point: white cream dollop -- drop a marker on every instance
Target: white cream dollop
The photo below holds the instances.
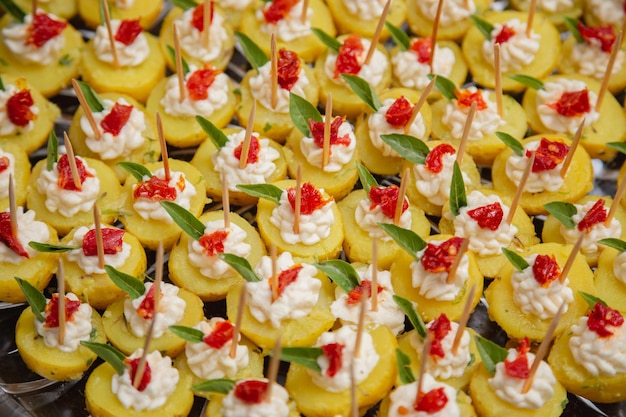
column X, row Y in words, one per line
column 373, row 72
column 537, row 182
column 598, row 355
column 619, row 267
column 15, row 36
column 89, row 264
column 339, row 155
column 216, row 99
column 275, row 406
column 192, row 40
column 368, row 219
column 592, row 61
column 297, row 299
column 518, row 51
column 378, row 126
column 127, row 55
column 609, row 12
column 163, row 380
column 485, row 122
column 555, row 6
column 598, row 231
column 403, row 398
column 411, row 73
column 453, row 11
column 77, row 328
column 6, row 125
column 171, row 310
column 365, row 9
column 28, row 230
column 435, row 186
column 261, row 89
column 291, row 27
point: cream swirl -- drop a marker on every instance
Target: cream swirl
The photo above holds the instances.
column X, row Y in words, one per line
column 402, row 399
column 598, row 355
column 609, row 12
column 591, row 61
column 289, row 28
column 171, row 310
column 130, row 55
column 368, row 218
column 378, row 126
column 28, row 230
column 517, row 51
column 411, row 73
column 365, row 9
column 77, row 328
column 261, row 89
column 274, row 406
column 16, row 37
column 596, row 232
column 339, row 154
column 217, row 97
column 89, row 264
column 435, row 186
column 485, row 122
column 7, row 127
column 537, row 182
column 373, row 72
column 192, row 40
column 453, row 11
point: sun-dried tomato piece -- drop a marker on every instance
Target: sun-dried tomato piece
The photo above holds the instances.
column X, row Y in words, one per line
column 155, row 189
column 439, row 257
column 317, row 133
column 601, row 317
column 489, row 216
column 288, row 67
column 5, row 163
column 596, row 214
column 311, row 198
column 43, row 29
column 439, row 328
column 333, row 351
column 221, row 334
column 52, row 309
column 432, row 401
column 287, row 277
column 278, row 9
column 66, row 181
column 434, row 159
column 114, row 122
column 253, row 150
column 603, row 34
column 133, row 364
column 387, row 199
column 8, row 238
column 199, row 82
column 399, row 113
column 112, row 240
column 465, row 98
column 197, row 17
column 146, row 307
column 251, row 391
column 548, row 155
column 423, row 48
column 213, row 243
column 518, row 367
column 18, row 108
column 348, row 57
column 546, row 269
column 364, row 288
column 572, row 103
column 506, row 33
column 128, row 31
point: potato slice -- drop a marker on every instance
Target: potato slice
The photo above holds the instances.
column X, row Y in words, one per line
column 21, row 173
column 608, row 286
column 348, row 22
column 556, row 17
column 423, row 26
column 147, row 11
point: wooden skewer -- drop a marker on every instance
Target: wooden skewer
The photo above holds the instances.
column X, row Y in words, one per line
column 572, row 149
column 12, row 206
column 164, row 155
column 457, row 261
column 498, row 74
column 531, row 16
column 609, row 69
column 520, row 189
column 616, row 202
column 99, row 242
column 360, row 328
column 298, row 208
column 240, row 309
column 433, row 36
column 206, row 24
column 305, row 9
column 245, row 148
column 272, row 370
column 226, row 201
column 328, row 118
column 61, row 294
column 401, row 194
column 570, row 259
column 72, row 161
column 34, row 7
column 179, row 64
column 354, row 406
column 467, row 309
column 83, row 104
column 107, row 22
column 543, row 349
column 274, row 280
column 374, row 274
column 273, row 71
column 418, row 106
column 466, row 132
column 428, row 340
column 376, row 37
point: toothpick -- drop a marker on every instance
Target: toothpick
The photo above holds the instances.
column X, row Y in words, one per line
column 609, row 69
column 467, row 309
column 225, row 201
column 428, row 340
column 12, row 206
column 86, row 109
column 543, row 349
column 98, row 229
column 354, row 406
column 328, row 118
column 72, row 161
column 240, row 309
column 418, row 106
column 498, row 74
column 457, row 260
column 374, row 289
column 616, row 202
column 206, row 23
column 466, row 132
column 34, row 7
column 164, row 156
column 245, row 148
column 274, row 258
column 401, row 194
column 273, row 71
column 520, row 188
column 107, row 22
column 305, row 9
column 376, row 37
column 298, row 205
column 179, row 64
column 433, row 36
column 531, row 17
column 570, row 259
column 572, row 149
column 272, row 370
column 360, row 328
column 61, row 293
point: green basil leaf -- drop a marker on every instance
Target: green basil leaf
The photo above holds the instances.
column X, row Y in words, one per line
column 305, row 356
column 490, row 353
column 409, row 147
column 618, row 244
column 458, row 199
column 53, row 150
column 363, row 89
column 562, row 211
column 301, row 111
column 184, row 4
column 240, row 265
column 36, row 300
column 13, row 9
column 51, row 247
column 136, row 170
column 188, row 333
column 125, row 282
column 591, row 300
column 444, row 85
column 1, row 85
column 405, row 373
column 619, row 146
column 516, row 260
column 267, row 191
column 515, row 145
column 341, row 273
column 399, row 36
column 572, row 26
column 93, row 100
column 184, row 219
column 254, row 54
column 405, row 238
column 416, row 320
column 327, row 40
column 172, row 54
column 367, row 179
column 482, row 25
column 220, row 386
column 109, row 354
column 527, row 80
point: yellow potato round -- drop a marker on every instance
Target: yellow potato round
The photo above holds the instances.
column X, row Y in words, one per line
column 21, row 173
column 462, row 399
column 609, row 288
column 578, row 180
column 62, row 8
column 423, row 26
column 147, row 11
column 215, row 407
column 348, row 22
column 187, row 276
column 52, row 363
column 556, row 17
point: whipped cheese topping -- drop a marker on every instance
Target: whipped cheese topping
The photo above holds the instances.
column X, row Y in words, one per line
column 608, row 12
column 127, row 55
column 163, row 380
column 152, row 210
column 365, row 9
column 192, row 41
column 598, row 231
column 291, row 26
column 124, row 4
column 7, row 127
column 510, row 388
column 483, row 241
column 554, row 6
column 68, row 202
column 111, row 146
column 544, row 180
column 378, row 126
column 388, row 312
column 297, row 299
column 363, row 364
column 28, row 230
column 8, row 172
column 77, row 328
column 373, row 72
column 314, row 227
column 403, row 399
column 224, row 161
column 435, row 186
column 453, row 11
column 339, row 155
column 368, row 219
column 485, row 122
column 451, row 365
column 598, row 355
column 533, row 298
column 619, row 267
column 206, row 362
column 516, row 52
column 89, row 264
column 16, row 35
column 211, row 266
column 413, row 74
column 261, row 89
column 551, row 93
column 275, row 406
column 591, row 61
column 216, row 99
column 171, row 310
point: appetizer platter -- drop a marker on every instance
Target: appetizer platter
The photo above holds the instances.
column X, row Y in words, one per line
column 206, row 171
